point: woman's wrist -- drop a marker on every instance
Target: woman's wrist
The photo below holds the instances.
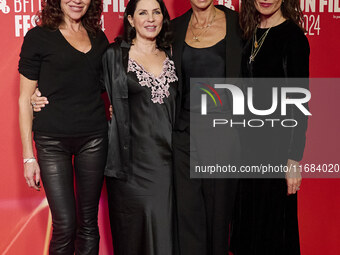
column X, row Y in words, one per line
column 29, row 160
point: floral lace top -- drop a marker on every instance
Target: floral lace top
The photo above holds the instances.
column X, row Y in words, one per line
column 159, row 85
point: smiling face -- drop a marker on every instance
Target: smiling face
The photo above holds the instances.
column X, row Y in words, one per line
column 147, row 19
column 268, row 8
column 74, row 10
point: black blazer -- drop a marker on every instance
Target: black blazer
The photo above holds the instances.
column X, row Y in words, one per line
column 233, row 49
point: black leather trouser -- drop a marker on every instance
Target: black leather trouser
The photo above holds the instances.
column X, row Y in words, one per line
column 74, row 217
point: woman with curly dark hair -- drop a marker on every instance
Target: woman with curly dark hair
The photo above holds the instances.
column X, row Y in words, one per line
column 141, row 82
column 62, row 56
column 266, row 217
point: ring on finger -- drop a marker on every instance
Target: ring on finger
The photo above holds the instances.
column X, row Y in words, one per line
column 34, row 104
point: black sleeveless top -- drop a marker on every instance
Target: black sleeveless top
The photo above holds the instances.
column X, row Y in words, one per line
column 202, row 63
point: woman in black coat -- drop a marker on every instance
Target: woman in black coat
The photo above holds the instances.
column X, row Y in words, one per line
column 207, row 44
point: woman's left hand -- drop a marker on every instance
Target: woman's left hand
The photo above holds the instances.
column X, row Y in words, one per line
column 38, row 101
column 293, row 176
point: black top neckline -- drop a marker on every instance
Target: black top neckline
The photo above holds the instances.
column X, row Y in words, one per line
column 71, row 46
column 209, row 47
column 225, row 37
column 274, row 27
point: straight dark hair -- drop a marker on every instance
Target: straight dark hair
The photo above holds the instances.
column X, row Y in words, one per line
column 250, row 17
column 163, row 39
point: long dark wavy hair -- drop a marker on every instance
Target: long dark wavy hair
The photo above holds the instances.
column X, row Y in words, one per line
column 163, row 39
column 250, row 17
column 52, row 16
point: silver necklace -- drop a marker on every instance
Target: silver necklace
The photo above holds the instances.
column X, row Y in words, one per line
column 204, row 28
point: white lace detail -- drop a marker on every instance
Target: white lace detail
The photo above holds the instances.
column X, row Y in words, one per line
column 159, row 85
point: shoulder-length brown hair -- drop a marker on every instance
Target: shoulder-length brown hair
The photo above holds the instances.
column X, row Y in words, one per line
column 52, row 16
column 250, row 17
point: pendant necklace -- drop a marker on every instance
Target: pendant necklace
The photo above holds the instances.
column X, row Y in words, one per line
column 257, row 44
column 204, row 29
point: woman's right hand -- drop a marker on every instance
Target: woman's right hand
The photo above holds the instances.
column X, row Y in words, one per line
column 31, row 167
column 32, row 174
column 293, row 176
column 38, row 101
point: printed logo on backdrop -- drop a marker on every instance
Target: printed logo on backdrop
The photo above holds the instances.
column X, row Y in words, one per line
column 26, row 10
column 114, row 6
column 314, row 10
column 227, row 3
column 4, row 7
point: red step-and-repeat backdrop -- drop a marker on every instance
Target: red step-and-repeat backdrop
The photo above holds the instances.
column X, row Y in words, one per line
column 25, row 223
